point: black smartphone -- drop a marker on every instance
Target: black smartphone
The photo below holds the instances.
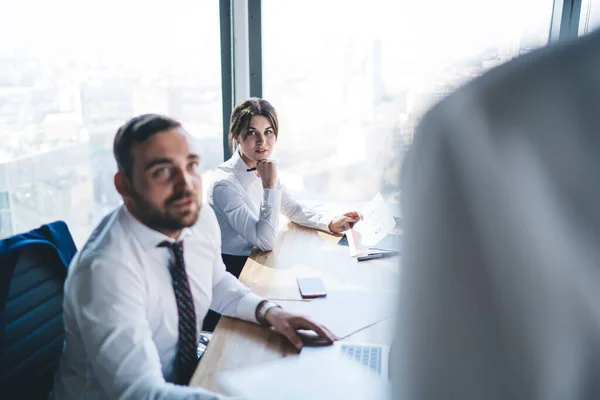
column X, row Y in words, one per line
column 311, row 287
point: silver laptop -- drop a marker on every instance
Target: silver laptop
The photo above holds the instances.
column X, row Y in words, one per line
column 376, row 357
column 343, row 370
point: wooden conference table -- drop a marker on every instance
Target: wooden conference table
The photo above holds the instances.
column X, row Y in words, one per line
column 298, row 252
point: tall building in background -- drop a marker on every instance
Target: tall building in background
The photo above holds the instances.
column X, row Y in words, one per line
column 342, row 125
column 193, row 104
column 107, row 102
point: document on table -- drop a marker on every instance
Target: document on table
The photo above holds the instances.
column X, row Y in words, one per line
column 376, row 222
column 345, row 313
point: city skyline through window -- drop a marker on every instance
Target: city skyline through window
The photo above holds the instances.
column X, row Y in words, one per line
column 350, row 82
column 72, row 73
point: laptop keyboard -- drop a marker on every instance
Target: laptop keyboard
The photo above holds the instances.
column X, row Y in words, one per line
column 367, row 355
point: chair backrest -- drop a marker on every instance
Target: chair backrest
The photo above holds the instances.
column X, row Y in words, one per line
column 33, row 324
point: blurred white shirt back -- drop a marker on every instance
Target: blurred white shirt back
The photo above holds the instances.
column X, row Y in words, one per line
column 501, row 268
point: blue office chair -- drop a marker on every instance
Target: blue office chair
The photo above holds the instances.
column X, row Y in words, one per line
column 33, row 267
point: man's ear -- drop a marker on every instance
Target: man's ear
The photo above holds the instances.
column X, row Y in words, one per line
column 122, row 184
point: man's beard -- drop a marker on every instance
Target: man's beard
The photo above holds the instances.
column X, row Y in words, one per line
column 165, row 219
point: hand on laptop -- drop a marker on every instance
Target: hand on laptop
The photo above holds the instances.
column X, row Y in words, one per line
column 344, row 222
column 288, row 324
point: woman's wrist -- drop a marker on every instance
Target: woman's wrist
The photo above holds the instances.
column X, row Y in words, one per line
column 271, row 185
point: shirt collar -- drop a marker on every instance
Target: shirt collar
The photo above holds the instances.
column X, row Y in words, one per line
column 240, row 167
column 148, row 237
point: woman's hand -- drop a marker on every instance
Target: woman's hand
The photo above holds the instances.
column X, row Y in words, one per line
column 344, row 222
column 267, row 172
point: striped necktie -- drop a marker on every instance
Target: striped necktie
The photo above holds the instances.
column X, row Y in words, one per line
column 187, row 358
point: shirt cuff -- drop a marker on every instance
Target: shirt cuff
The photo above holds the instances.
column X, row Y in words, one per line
column 271, row 197
column 246, row 308
column 323, row 223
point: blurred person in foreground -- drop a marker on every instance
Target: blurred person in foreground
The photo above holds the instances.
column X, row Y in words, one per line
column 501, row 272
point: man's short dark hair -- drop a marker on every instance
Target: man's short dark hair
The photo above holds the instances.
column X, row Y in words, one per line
column 137, row 130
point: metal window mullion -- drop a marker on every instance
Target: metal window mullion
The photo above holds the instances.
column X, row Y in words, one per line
column 255, row 46
column 241, row 67
column 225, row 12
column 565, row 20
column 555, row 24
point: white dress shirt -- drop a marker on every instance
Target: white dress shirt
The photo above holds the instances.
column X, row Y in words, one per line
column 501, row 268
column 120, row 312
column 248, row 214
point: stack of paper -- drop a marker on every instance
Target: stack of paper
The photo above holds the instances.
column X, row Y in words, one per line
column 376, row 222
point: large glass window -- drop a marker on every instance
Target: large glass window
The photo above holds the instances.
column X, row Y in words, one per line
column 71, row 72
column 351, row 80
column 590, row 16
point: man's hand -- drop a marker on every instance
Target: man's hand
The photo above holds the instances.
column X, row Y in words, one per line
column 288, row 324
column 267, row 171
column 344, row 222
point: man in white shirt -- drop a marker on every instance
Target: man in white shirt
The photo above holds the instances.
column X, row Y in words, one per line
column 138, row 290
column 500, row 293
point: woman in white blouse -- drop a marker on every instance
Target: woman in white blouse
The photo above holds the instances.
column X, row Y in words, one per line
column 248, row 203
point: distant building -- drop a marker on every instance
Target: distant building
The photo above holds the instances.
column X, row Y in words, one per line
column 106, row 105
column 45, row 187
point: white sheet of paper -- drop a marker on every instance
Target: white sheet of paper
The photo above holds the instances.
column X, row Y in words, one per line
column 323, row 373
column 345, row 313
column 377, row 221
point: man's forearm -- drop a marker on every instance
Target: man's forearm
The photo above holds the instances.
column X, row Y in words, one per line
column 233, row 299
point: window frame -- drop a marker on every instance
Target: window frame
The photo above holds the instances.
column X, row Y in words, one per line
column 241, row 49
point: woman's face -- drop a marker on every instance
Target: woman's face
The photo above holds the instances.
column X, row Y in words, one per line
column 258, row 141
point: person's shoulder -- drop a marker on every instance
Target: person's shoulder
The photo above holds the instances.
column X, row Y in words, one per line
column 509, row 91
column 226, row 173
column 107, row 243
column 226, row 168
column 206, row 229
column 207, row 213
column 528, row 77
column 223, row 180
column 207, row 220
